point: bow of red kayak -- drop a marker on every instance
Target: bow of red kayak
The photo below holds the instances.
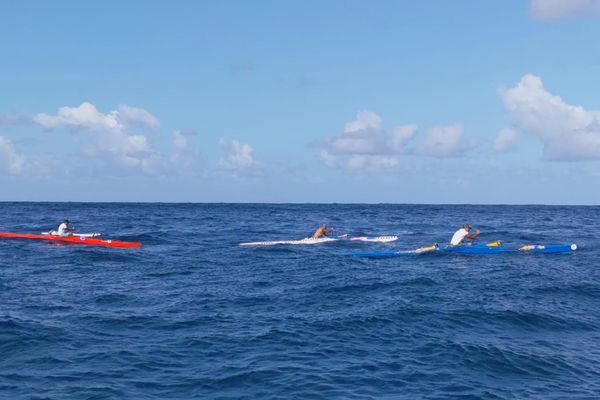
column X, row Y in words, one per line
column 73, row 239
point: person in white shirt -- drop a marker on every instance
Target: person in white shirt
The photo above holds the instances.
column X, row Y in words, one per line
column 462, row 234
column 64, row 229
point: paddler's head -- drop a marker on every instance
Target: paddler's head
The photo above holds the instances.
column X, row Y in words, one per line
column 66, row 221
column 467, row 227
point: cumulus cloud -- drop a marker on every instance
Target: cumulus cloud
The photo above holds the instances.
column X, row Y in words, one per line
column 371, row 162
column 445, row 141
column 186, row 156
column 111, row 133
column 180, row 141
column 365, row 135
column 568, row 132
column 506, row 141
column 546, row 10
column 11, row 162
column 239, row 155
column 330, row 160
column 87, row 117
column 366, row 121
column 136, row 116
column 401, row 136
column 365, row 144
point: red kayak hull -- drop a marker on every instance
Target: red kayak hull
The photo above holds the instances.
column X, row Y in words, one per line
column 73, row 239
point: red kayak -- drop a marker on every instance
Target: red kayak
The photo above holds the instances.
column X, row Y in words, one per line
column 73, row 239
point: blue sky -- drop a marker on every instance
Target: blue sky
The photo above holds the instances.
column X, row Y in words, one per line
column 301, row 101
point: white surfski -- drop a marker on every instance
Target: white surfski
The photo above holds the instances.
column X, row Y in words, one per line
column 379, row 239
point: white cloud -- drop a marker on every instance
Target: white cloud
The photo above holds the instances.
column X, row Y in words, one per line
column 371, row 163
column 366, row 121
column 180, row 141
column 568, row 133
column 136, row 116
column 365, row 144
column 239, row 155
column 362, row 136
column 112, row 140
column 86, row 116
column 10, row 161
column 353, row 144
column 506, row 141
column 186, row 156
column 402, row 135
column 329, row 159
column 445, row 141
column 547, row 10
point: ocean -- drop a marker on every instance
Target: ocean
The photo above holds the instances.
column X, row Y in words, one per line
column 193, row 315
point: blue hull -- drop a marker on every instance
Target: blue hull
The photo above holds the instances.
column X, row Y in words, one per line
column 475, row 249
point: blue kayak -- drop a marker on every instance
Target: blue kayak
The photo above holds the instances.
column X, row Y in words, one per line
column 494, row 248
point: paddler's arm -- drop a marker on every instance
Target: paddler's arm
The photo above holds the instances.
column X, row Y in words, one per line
column 473, row 236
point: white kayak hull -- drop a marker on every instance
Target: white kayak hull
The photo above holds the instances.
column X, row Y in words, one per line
column 377, row 239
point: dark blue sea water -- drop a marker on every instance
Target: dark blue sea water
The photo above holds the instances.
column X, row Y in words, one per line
column 193, row 315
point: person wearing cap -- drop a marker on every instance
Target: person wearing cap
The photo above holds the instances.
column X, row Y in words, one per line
column 320, row 232
column 64, row 229
column 462, row 234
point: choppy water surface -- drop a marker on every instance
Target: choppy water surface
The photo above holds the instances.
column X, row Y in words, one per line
column 193, row 315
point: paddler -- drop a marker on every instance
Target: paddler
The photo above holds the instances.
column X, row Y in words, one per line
column 320, row 232
column 462, row 234
column 64, row 229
